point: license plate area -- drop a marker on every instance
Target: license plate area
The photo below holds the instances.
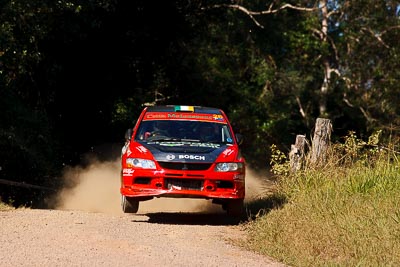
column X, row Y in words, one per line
column 184, row 184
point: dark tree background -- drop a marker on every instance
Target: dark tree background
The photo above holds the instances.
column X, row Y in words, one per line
column 74, row 75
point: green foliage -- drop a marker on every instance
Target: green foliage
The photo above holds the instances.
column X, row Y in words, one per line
column 370, row 59
column 355, row 149
column 279, row 162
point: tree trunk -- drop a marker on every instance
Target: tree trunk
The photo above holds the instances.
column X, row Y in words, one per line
column 325, row 59
column 296, row 155
column 321, row 141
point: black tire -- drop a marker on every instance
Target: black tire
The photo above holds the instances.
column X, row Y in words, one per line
column 235, row 208
column 129, row 204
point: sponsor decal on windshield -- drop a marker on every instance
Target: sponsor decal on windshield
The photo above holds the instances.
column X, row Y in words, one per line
column 217, row 117
column 183, row 116
column 186, row 143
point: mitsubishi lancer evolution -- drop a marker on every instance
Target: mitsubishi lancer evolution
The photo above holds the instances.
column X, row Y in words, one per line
column 182, row 152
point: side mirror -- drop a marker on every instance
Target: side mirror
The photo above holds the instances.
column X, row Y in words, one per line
column 239, row 139
column 128, row 134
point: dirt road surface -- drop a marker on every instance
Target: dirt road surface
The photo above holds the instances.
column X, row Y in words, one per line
column 86, row 227
column 33, row 237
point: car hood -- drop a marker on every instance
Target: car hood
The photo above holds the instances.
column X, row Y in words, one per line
column 193, row 152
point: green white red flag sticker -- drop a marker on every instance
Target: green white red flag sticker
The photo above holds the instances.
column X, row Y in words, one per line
column 184, row 108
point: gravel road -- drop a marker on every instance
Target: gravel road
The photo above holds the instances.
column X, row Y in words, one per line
column 33, row 237
column 83, row 229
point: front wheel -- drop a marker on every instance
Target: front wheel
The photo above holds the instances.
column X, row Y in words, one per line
column 129, row 204
column 235, row 207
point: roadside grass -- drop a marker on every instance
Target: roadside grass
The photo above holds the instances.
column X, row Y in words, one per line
column 347, row 214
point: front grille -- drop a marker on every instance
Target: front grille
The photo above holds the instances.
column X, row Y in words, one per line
column 185, row 166
column 184, row 184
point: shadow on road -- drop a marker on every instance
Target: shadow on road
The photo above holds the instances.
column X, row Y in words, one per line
column 262, row 206
column 254, row 209
column 190, row 218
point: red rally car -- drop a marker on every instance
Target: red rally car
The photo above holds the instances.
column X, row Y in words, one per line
column 182, row 152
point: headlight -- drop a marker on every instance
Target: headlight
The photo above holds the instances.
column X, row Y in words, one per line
column 228, row 167
column 140, row 163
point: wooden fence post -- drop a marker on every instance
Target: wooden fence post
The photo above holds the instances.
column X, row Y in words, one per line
column 321, row 141
column 296, row 154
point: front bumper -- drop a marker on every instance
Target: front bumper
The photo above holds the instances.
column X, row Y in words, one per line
column 182, row 184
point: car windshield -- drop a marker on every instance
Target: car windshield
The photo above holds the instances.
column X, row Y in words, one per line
column 174, row 130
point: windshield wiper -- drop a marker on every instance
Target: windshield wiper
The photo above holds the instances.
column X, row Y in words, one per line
column 174, row 139
column 190, row 140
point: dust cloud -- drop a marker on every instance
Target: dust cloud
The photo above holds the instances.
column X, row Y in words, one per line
column 258, row 184
column 95, row 188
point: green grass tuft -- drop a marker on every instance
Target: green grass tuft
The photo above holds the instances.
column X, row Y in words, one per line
column 344, row 215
